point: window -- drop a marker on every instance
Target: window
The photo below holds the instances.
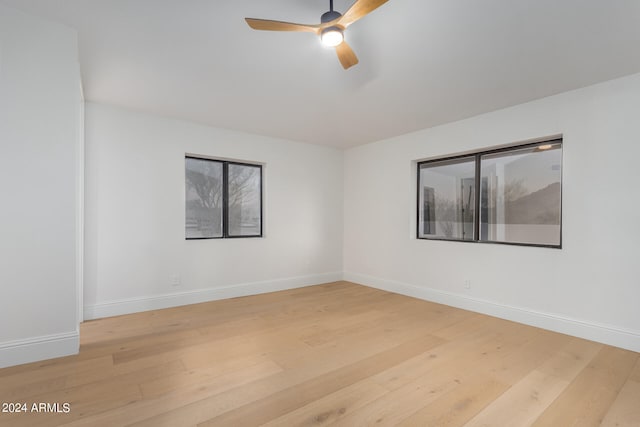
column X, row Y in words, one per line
column 223, row 199
column 519, row 199
column 447, row 199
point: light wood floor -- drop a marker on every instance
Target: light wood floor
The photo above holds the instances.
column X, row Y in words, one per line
column 338, row 354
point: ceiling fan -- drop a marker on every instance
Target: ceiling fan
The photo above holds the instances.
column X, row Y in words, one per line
column 331, row 27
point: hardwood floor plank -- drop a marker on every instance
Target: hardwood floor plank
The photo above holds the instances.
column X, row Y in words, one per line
column 20, row 384
column 215, row 377
column 457, row 406
column 540, row 346
column 587, row 399
column 332, row 354
column 522, row 403
column 635, row 373
column 571, row 359
column 285, row 400
column 180, row 397
column 331, row 407
column 458, row 356
column 625, row 410
column 385, row 327
column 440, row 372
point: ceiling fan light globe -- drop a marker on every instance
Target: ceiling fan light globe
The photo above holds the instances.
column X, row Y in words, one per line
column 332, row 36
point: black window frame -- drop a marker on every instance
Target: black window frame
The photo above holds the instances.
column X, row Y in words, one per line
column 478, row 194
column 225, row 198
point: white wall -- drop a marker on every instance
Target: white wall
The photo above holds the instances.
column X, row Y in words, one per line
column 39, row 143
column 589, row 288
column 135, row 213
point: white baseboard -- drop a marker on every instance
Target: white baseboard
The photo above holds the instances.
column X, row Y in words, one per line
column 29, row 350
column 135, row 305
column 606, row 334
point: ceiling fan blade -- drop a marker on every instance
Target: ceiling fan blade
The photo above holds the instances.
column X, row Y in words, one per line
column 268, row 25
column 346, row 55
column 359, row 9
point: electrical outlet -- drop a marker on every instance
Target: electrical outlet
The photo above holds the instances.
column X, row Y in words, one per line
column 467, row 284
column 175, row 280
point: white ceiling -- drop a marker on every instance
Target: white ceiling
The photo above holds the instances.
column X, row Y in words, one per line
column 422, row 62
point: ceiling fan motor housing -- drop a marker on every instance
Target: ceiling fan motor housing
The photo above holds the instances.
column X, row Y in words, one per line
column 330, row 16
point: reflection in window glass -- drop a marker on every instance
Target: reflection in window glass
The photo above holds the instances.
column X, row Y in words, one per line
column 446, row 199
column 203, row 198
column 244, row 200
column 521, row 191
